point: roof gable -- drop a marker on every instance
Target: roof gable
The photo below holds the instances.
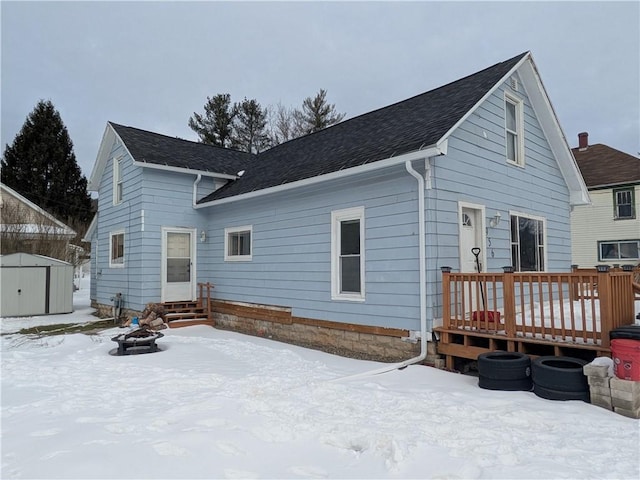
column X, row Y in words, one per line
column 154, row 150
column 603, row 166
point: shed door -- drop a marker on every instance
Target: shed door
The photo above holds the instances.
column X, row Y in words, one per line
column 178, row 272
column 24, row 291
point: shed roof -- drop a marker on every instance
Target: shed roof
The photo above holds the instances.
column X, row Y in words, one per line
column 30, row 260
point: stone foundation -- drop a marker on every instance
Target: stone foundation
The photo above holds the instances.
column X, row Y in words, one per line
column 347, row 340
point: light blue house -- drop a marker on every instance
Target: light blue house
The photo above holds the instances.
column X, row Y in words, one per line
column 342, row 231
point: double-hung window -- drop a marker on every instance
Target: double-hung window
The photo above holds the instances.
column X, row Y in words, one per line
column 528, row 240
column 117, row 180
column 237, row 243
column 623, row 201
column 514, row 132
column 347, row 254
column 116, row 244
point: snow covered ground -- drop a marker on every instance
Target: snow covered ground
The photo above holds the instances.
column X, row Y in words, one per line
column 216, row 404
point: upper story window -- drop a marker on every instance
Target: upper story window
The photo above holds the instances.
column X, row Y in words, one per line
column 116, row 242
column 347, row 254
column 624, row 203
column 237, row 243
column 514, row 131
column 528, row 240
column 117, row 180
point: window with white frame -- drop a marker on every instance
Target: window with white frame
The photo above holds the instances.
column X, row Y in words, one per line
column 619, row 250
column 347, row 254
column 514, row 132
column 117, row 180
column 116, row 243
column 528, row 240
column 623, row 201
column 237, row 243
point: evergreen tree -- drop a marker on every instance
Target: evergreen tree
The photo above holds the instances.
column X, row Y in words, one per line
column 250, row 132
column 40, row 164
column 215, row 127
column 317, row 113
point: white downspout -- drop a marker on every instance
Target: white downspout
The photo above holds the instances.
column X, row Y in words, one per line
column 195, row 189
column 422, row 263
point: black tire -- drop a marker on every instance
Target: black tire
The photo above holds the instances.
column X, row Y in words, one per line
column 564, row 374
column 506, row 385
column 551, row 394
column 504, row 365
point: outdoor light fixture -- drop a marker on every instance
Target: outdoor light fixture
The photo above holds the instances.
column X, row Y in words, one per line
column 203, row 236
column 495, row 221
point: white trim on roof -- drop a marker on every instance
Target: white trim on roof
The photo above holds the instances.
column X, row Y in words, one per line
column 191, row 171
column 65, row 229
column 430, row 151
column 106, row 146
column 90, row 229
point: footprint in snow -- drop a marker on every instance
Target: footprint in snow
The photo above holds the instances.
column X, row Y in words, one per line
column 229, row 448
column 50, row 455
column 233, row 473
column 119, row 428
column 309, row 472
column 45, row 433
column 167, row 449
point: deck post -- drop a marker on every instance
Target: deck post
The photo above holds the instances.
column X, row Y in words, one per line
column 604, row 297
column 509, row 301
column 446, row 296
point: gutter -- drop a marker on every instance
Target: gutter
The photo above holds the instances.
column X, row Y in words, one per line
column 431, row 151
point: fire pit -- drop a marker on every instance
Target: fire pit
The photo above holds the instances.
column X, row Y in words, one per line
column 141, row 340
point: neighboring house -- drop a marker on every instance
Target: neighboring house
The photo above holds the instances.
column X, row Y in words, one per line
column 27, row 228
column 608, row 230
column 336, row 239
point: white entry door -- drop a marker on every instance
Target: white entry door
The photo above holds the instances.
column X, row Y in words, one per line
column 178, row 264
column 471, row 239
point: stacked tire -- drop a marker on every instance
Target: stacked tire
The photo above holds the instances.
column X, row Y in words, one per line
column 509, row 371
column 560, row 378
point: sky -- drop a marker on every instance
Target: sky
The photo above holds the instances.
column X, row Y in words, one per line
column 218, row 404
column 151, row 65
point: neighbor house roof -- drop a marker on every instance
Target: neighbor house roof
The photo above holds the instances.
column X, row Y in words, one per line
column 35, row 223
column 603, row 166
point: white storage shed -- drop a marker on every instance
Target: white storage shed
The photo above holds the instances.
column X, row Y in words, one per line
column 34, row 285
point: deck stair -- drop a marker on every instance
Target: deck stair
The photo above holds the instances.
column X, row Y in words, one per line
column 185, row 314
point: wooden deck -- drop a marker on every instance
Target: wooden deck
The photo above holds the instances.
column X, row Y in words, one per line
column 535, row 313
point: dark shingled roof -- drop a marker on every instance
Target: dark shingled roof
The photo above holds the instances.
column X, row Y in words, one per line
column 400, row 128
column 602, row 165
column 175, row 152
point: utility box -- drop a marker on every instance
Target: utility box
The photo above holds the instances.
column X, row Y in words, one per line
column 34, row 285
